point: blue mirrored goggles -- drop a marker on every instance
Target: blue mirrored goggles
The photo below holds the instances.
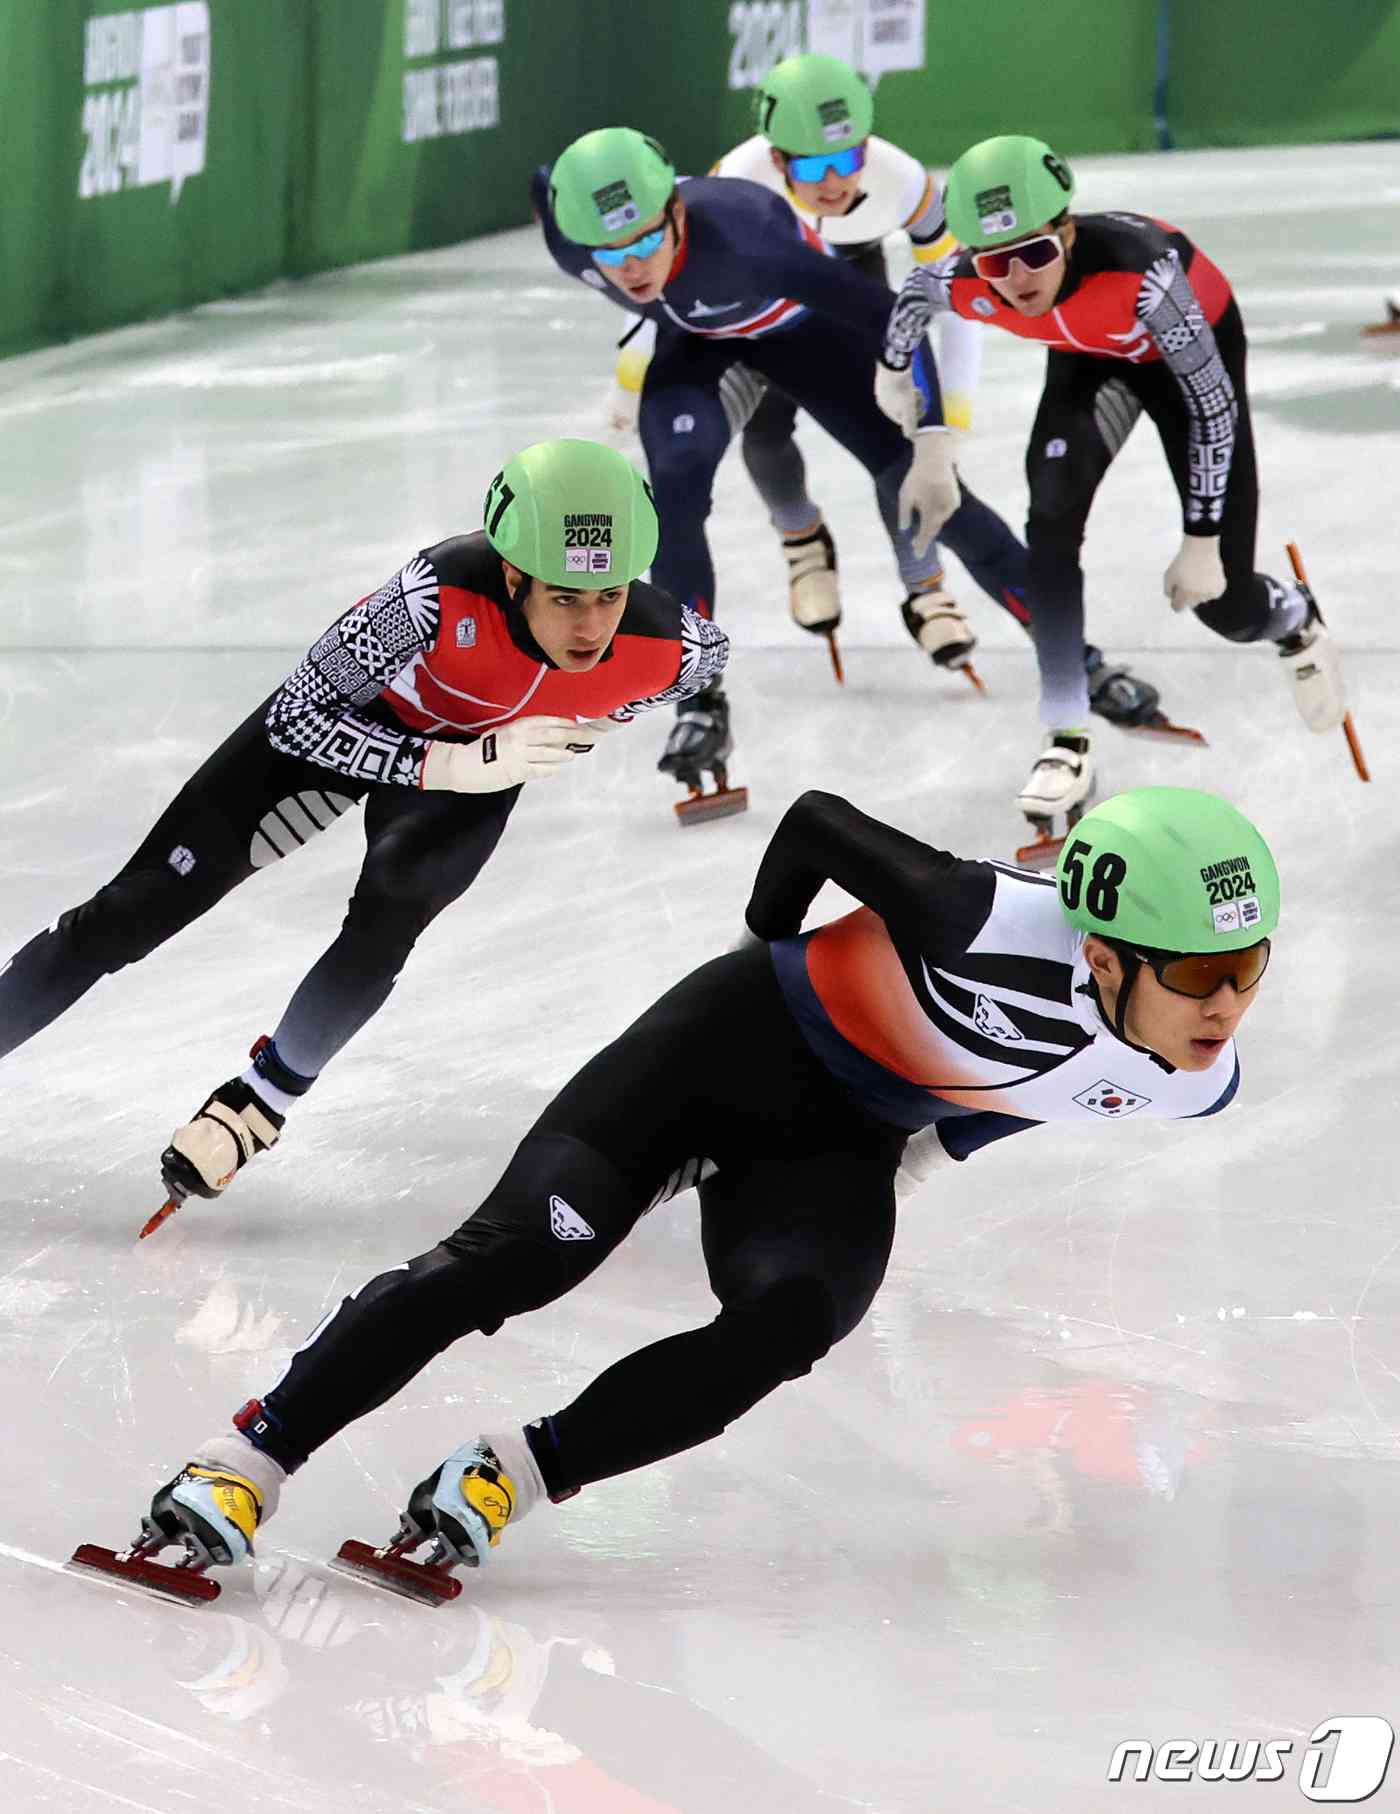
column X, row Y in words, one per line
column 637, row 248
column 812, row 169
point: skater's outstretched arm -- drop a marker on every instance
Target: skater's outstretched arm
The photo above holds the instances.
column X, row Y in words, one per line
column 1169, row 308
column 821, row 838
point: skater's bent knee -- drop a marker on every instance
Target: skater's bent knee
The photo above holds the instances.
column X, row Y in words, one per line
column 126, row 920
column 1057, row 535
column 466, row 1285
column 791, row 1325
column 384, row 925
column 1240, row 614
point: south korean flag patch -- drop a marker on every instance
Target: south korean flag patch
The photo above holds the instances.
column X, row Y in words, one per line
column 1110, row 1100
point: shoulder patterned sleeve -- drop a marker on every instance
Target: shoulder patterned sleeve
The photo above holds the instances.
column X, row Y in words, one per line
column 313, row 713
column 1171, row 312
column 925, row 293
column 704, row 652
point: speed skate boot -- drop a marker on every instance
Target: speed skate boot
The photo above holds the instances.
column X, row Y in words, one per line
column 210, row 1510
column 465, row 1504
column 1116, row 694
column 814, row 594
column 935, row 622
column 458, row 1512
column 205, row 1155
column 1060, row 785
column 700, row 744
column 1314, row 666
column 1130, row 702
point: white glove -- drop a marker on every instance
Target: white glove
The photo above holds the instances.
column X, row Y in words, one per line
column 527, row 749
column 1195, row 577
column 923, row 1154
column 620, row 411
column 898, row 397
column 930, row 488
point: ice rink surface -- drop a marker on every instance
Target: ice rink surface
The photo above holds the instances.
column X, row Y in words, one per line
column 1116, row 1454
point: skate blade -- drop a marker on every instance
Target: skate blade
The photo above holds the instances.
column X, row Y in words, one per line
column 720, row 804
column 972, row 674
column 182, row 1585
column 428, row 1584
column 838, row 667
column 1300, row 573
column 1043, row 854
column 1162, row 730
column 163, row 1214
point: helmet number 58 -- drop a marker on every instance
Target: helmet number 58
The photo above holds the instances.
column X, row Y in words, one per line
column 1105, row 879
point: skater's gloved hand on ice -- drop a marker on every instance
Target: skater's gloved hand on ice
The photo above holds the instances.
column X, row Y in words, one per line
column 1196, row 576
column 529, row 749
column 898, row 396
column 930, row 488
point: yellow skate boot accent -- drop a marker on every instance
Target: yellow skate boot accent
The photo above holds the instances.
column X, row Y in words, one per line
column 466, row 1504
column 216, row 1509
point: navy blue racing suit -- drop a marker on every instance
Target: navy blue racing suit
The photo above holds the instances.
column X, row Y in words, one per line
column 751, row 282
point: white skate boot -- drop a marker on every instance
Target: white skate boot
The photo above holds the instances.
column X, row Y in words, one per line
column 935, row 622
column 1060, row 786
column 204, row 1156
column 1314, row 665
column 814, row 595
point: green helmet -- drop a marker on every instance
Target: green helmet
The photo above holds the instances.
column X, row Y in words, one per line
column 1171, row 869
column 572, row 513
column 1005, row 188
column 604, row 185
column 813, row 104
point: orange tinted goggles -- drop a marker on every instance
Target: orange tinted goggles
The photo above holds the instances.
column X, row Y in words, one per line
column 1200, row 973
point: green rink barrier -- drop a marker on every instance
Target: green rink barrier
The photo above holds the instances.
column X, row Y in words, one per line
column 160, row 155
column 1252, row 72
column 147, row 158
column 426, row 117
column 1079, row 74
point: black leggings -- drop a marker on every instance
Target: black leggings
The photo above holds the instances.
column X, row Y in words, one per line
column 244, row 809
column 796, row 1225
column 1087, row 409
